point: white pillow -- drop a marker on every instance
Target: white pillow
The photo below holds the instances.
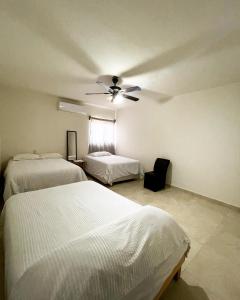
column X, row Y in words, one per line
column 26, row 156
column 50, row 155
column 100, row 153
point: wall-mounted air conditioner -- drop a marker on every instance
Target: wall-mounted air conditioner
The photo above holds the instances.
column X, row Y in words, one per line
column 75, row 108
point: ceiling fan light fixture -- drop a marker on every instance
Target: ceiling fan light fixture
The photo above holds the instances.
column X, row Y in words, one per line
column 118, row 99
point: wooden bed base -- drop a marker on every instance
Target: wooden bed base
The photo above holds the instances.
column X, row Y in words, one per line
column 175, row 274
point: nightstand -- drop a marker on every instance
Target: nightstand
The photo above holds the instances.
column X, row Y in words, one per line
column 79, row 162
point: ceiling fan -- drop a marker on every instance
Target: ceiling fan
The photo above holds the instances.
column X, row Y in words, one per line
column 116, row 91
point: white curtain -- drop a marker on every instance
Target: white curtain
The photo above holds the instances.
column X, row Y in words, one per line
column 101, row 135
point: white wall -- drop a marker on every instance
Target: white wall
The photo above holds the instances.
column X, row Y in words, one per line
column 31, row 121
column 198, row 132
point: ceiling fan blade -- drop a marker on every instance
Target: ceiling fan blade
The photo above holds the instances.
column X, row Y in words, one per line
column 107, row 88
column 97, row 93
column 131, row 89
column 130, row 97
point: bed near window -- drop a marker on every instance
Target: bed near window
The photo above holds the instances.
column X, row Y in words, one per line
column 83, row 241
column 33, row 174
column 110, row 168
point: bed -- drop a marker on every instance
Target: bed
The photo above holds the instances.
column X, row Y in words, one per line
column 34, row 174
column 96, row 245
column 112, row 168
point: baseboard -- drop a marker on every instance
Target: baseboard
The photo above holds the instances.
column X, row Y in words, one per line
column 221, row 203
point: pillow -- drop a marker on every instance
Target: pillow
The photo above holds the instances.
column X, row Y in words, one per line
column 26, row 156
column 100, row 153
column 50, row 155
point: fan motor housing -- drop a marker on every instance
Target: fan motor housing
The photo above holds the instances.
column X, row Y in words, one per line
column 115, row 87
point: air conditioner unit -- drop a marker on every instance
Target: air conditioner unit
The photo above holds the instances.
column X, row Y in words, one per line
column 75, row 108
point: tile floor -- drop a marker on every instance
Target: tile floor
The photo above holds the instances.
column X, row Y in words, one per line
column 212, row 269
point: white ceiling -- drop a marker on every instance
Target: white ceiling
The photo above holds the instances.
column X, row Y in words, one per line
column 167, row 47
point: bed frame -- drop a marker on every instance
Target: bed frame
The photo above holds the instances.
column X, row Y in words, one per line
column 175, row 274
column 102, row 180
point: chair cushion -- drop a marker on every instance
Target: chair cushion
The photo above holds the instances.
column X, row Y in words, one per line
column 151, row 174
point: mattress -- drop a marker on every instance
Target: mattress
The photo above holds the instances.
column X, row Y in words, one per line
column 83, row 241
column 112, row 168
column 29, row 175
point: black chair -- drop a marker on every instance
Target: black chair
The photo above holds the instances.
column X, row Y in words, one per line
column 156, row 179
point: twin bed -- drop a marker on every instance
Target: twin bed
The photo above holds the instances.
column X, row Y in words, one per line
column 109, row 168
column 34, row 174
column 83, row 241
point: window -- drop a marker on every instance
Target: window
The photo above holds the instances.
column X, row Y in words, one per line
column 101, row 135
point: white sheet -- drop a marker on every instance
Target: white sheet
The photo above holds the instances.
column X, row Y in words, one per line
column 83, row 241
column 29, row 175
column 111, row 168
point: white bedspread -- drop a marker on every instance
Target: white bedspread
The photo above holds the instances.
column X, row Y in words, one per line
column 83, row 241
column 111, row 168
column 29, row 175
